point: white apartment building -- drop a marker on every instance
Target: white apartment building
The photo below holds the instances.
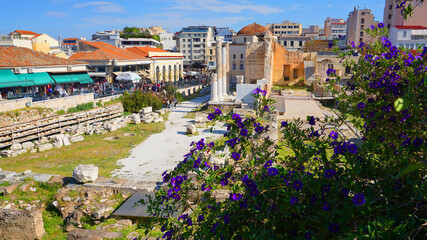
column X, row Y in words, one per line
column 193, row 42
column 408, row 36
column 168, row 42
column 285, row 28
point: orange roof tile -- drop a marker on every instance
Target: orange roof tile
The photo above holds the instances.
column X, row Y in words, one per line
column 37, row 35
column 91, row 56
column 110, row 52
column 11, row 56
column 143, row 51
column 253, row 29
column 66, row 39
column 25, row 32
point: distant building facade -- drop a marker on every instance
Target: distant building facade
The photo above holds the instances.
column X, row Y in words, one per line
column 168, row 41
column 38, row 42
column 225, row 32
column 359, row 20
column 113, row 38
column 393, row 16
column 335, row 27
column 285, row 28
column 192, row 42
column 408, row 36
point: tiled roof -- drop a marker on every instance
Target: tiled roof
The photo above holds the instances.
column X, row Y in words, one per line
column 25, row 32
column 67, row 39
column 411, row 27
column 143, row 51
column 252, row 29
column 37, row 35
column 107, row 51
column 11, row 56
column 90, row 56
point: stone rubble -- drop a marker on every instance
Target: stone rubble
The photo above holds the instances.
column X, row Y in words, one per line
column 85, row 173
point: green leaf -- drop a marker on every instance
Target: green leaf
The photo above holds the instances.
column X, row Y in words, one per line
column 425, row 81
column 401, row 104
column 409, row 169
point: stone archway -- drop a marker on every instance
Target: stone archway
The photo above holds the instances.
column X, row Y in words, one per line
column 174, row 73
column 180, row 71
column 164, row 73
column 170, row 73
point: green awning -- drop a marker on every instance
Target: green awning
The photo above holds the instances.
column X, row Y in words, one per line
column 70, row 78
column 8, row 79
column 35, row 79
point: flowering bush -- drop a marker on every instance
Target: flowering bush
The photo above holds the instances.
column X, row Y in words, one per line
column 328, row 187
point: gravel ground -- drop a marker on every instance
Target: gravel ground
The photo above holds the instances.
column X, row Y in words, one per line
column 162, row 151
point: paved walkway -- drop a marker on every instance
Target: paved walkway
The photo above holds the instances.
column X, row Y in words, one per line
column 162, row 151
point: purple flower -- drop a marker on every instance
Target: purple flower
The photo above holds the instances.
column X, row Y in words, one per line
column 224, row 182
column 372, row 27
column 227, row 175
column 268, row 164
column 353, row 45
column 352, row 148
column 361, row 45
column 200, row 218
column 326, row 206
column 311, row 120
column 326, row 188
column 211, row 116
column 294, row 200
column 244, row 132
column 297, row 185
column 189, row 222
column 176, row 189
column 266, row 108
column 257, row 90
column 272, row 171
column 284, row 124
column 217, row 111
column 331, row 44
column 360, row 105
column 333, row 135
column 334, row 228
column 307, row 236
column 235, row 156
column 345, row 192
column 329, row 173
column 331, row 71
column 200, row 144
column 358, row 199
column 418, row 142
column 235, row 197
column 211, row 144
column 236, row 117
column 380, row 25
column 226, row 218
column 196, row 163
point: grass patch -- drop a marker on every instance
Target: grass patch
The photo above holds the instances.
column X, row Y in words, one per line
column 81, row 107
column 93, row 150
column 192, row 114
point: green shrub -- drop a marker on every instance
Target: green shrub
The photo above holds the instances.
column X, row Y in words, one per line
column 137, row 100
column 60, row 112
column 81, row 107
column 179, row 97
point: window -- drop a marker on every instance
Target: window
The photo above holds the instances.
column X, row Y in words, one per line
column 241, row 66
column 295, row 73
column 363, row 13
column 390, row 7
column 300, row 43
column 234, row 56
column 210, row 51
column 388, row 26
column 189, row 45
column 241, row 56
column 389, row 16
column 183, row 51
column 285, row 43
column 361, row 40
column 362, row 21
column 292, row 43
column 101, row 69
column 234, row 66
column 361, row 34
column 244, row 39
column 404, row 34
column 183, row 40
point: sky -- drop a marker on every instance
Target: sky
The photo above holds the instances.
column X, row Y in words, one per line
column 82, row 18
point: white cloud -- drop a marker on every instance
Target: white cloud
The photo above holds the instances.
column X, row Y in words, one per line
column 218, row 6
column 295, row 7
column 102, row 7
column 56, row 14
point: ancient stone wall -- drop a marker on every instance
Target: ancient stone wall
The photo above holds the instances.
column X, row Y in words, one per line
column 64, row 103
column 25, row 115
column 11, row 105
column 255, row 60
column 288, row 67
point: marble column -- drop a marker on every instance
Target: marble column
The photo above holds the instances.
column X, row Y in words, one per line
column 219, row 67
column 214, row 88
column 224, row 70
column 227, row 67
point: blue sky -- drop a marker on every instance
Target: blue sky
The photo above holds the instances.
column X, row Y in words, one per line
column 81, row 18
